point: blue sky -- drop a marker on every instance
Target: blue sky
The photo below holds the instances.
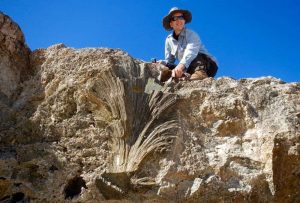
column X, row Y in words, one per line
column 251, row 38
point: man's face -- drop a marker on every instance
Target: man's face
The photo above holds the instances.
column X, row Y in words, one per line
column 177, row 22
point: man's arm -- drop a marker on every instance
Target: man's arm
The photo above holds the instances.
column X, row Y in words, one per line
column 169, row 58
column 192, row 49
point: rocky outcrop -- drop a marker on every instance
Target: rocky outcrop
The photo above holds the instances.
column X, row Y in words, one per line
column 94, row 125
column 14, row 57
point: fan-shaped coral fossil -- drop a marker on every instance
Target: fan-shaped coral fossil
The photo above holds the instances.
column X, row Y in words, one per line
column 137, row 123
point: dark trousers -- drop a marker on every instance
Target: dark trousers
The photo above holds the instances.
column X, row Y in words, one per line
column 201, row 62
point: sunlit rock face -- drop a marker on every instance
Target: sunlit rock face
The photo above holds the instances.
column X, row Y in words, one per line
column 14, row 57
column 94, row 125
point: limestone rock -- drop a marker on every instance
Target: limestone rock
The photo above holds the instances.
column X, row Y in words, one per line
column 14, row 57
column 94, row 125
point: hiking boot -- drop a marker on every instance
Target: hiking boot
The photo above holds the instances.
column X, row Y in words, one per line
column 198, row 75
column 164, row 75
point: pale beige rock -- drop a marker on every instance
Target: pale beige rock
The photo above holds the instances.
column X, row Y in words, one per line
column 94, row 125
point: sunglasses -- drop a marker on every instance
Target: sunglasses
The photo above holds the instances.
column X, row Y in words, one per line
column 174, row 18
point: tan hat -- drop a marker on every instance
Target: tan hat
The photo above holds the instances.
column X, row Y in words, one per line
column 167, row 19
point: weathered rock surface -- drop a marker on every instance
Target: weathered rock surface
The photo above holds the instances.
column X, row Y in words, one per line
column 14, row 57
column 93, row 125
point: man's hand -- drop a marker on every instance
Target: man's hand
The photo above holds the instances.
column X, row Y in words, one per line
column 178, row 71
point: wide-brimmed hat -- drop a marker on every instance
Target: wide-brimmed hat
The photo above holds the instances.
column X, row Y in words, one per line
column 167, row 19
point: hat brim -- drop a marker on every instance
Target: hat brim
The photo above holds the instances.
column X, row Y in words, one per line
column 167, row 19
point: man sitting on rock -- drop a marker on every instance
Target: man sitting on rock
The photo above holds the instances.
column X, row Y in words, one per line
column 184, row 45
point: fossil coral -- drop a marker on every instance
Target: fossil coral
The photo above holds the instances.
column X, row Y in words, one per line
column 138, row 123
column 154, row 136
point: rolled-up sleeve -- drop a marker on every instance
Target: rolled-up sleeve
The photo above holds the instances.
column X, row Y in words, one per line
column 191, row 50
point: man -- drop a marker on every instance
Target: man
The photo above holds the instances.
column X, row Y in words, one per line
column 185, row 45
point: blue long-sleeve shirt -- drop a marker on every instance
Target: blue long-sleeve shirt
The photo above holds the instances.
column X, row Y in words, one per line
column 185, row 49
